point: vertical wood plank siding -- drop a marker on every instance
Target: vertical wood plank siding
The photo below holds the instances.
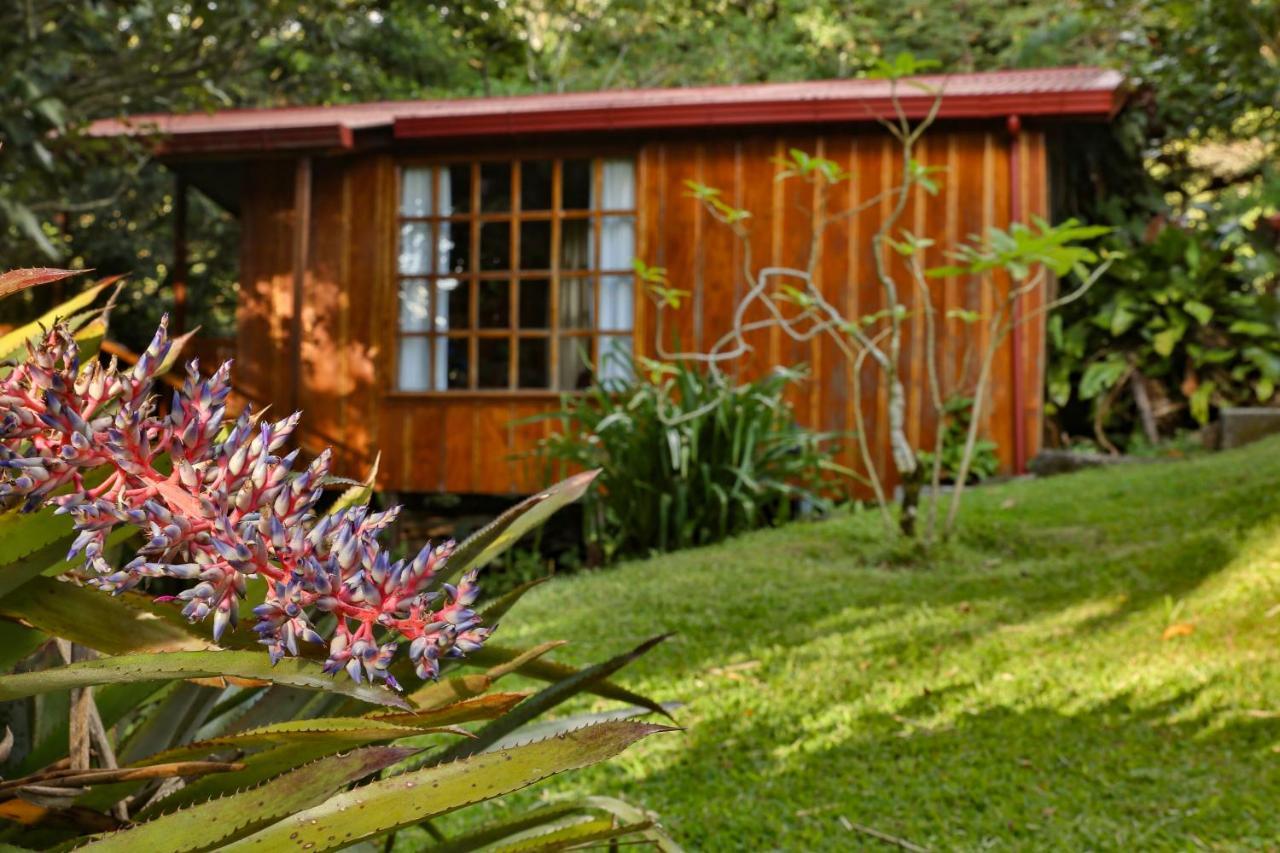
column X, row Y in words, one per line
column 467, row 443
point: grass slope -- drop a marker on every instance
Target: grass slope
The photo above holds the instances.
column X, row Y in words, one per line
column 1018, row 692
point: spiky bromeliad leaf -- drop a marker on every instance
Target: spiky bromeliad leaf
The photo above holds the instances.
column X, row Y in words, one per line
column 120, row 624
column 546, row 699
column 13, row 345
column 216, row 822
column 573, row 836
column 494, row 833
column 18, row 280
column 505, row 530
column 358, row 495
column 401, row 801
column 171, row 665
column 450, row 690
column 286, row 745
column 344, row 732
column 546, row 670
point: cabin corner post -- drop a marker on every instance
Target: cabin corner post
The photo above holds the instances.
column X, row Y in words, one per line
column 301, row 253
column 179, row 279
column 1016, row 343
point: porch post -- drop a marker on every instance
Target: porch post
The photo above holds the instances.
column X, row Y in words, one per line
column 301, row 251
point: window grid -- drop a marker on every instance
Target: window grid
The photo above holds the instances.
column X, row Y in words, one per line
column 557, row 335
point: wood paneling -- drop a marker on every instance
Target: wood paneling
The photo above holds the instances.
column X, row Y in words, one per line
column 467, row 443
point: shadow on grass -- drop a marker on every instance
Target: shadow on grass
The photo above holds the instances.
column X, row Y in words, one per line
column 1113, row 776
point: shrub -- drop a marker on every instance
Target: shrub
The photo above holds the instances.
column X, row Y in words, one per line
column 203, row 739
column 686, row 457
column 958, row 413
column 1184, row 322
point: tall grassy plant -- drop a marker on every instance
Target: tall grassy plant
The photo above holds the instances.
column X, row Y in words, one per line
column 686, row 456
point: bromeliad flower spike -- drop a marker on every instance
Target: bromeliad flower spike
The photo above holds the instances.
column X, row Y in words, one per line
column 220, row 510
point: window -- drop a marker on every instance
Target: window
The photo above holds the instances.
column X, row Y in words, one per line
column 515, row 275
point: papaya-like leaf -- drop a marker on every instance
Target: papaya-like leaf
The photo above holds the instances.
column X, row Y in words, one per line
column 505, row 530
column 546, row 699
column 170, row 665
column 389, row 804
column 216, row 822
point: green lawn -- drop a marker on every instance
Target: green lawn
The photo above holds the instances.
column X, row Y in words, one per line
column 1017, row 692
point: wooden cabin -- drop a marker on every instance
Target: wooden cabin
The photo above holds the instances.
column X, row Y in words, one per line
column 419, row 276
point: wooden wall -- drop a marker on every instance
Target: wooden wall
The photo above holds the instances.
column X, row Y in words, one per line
column 463, row 443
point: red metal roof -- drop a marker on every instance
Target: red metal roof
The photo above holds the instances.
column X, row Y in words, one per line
column 1056, row 92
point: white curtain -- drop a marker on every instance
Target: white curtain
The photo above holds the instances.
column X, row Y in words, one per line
column 444, row 291
column 415, row 258
column 415, row 192
column 415, row 248
column 619, row 185
column 412, row 365
column 617, row 246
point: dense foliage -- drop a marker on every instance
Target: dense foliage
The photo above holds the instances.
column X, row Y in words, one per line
column 1186, row 320
column 197, row 739
column 686, row 456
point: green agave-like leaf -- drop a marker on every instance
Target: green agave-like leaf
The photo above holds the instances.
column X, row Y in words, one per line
column 546, row 699
column 114, row 702
column 18, row 280
column 171, row 665
column 171, row 721
column 545, row 670
column 465, row 711
column 552, row 815
column 16, row 642
column 504, row 531
column 342, row 732
column 544, row 729
column 358, row 495
column 13, row 345
column 491, row 833
column 389, row 804
column 216, row 822
column 496, row 609
column 258, row 768
column 457, row 688
column 120, row 624
column 587, row 832
column 49, row 561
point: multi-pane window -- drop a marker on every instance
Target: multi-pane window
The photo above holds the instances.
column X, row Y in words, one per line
column 515, row 275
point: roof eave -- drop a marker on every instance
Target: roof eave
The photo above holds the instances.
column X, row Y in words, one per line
column 324, row 138
column 1101, row 105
